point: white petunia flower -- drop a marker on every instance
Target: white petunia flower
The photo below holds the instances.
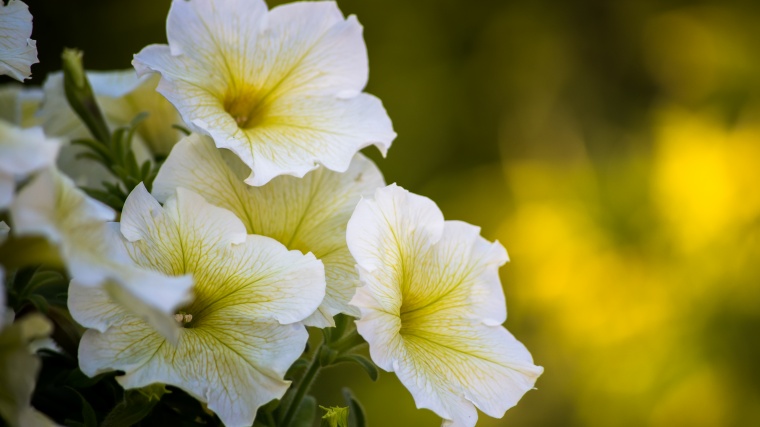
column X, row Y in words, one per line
column 308, row 214
column 19, row 366
column 53, row 207
column 237, row 339
column 17, row 51
column 432, row 307
column 282, row 89
column 22, row 151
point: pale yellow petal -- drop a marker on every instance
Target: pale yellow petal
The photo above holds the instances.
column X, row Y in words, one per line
column 19, row 367
column 22, row 151
column 94, row 254
column 308, row 214
column 281, row 89
column 242, row 330
column 432, row 307
column 235, row 366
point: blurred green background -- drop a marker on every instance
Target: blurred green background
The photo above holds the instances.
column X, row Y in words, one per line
column 612, row 146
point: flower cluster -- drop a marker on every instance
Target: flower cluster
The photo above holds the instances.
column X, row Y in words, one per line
column 212, row 204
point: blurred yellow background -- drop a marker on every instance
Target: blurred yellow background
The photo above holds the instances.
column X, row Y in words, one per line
column 612, row 146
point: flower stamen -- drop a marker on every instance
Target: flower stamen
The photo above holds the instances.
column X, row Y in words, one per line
column 183, row 318
column 244, row 106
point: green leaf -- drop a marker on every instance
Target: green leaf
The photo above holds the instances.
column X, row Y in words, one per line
column 306, row 412
column 284, row 404
column 118, row 148
column 327, row 356
column 356, row 416
column 39, row 302
column 44, row 279
column 265, row 416
column 40, row 280
column 103, row 196
column 137, row 404
column 132, row 128
column 114, row 189
column 342, row 321
column 104, row 155
column 132, row 166
column 77, row 379
column 298, row 365
column 369, row 367
column 120, row 172
column 88, row 414
column 145, row 170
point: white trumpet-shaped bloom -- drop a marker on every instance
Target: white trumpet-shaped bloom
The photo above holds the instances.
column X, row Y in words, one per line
column 17, row 51
column 51, row 206
column 432, row 307
column 22, row 151
column 308, row 214
column 282, row 89
column 238, row 336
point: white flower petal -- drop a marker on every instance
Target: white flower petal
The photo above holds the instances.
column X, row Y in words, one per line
column 308, row 214
column 243, row 331
column 377, row 226
column 325, row 50
column 18, row 104
column 235, row 367
column 19, row 367
column 432, row 307
column 281, row 89
column 189, row 235
column 92, row 307
column 17, row 51
column 51, row 206
column 22, row 151
column 144, row 219
column 299, row 132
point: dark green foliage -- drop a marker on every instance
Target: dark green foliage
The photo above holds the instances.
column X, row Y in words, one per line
column 112, row 150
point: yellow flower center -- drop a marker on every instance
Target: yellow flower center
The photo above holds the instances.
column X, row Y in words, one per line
column 411, row 319
column 244, row 105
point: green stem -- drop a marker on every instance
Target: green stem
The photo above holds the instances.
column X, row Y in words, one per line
column 270, row 420
column 348, row 342
column 303, row 388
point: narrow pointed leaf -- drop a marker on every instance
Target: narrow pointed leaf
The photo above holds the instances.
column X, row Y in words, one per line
column 88, row 414
column 307, row 410
column 362, row 361
column 356, row 417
